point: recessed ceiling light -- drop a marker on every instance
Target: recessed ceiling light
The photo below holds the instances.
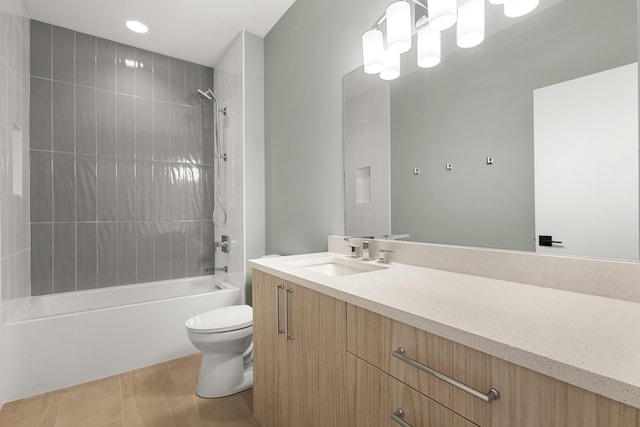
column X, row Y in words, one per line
column 137, row 26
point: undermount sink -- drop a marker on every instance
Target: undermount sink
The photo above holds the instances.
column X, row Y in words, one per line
column 337, row 266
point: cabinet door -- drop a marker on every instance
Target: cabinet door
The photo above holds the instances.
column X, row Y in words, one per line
column 299, row 381
column 266, row 343
column 375, row 396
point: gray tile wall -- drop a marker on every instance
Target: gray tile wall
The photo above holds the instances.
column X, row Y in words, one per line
column 121, row 164
column 14, row 123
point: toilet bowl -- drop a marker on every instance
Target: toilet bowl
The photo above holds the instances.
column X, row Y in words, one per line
column 224, row 336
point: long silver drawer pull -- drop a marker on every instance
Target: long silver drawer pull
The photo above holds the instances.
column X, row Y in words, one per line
column 286, row 313
column 492, row 395
column 278, row 329
column 398, row 417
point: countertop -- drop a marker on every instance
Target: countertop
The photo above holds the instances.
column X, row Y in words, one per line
column 588, row 341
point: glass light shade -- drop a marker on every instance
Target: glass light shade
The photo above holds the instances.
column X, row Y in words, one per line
column 391, row 66
column 470, row 28
column 429, row 47
column 516, row 8
column 443, row 14
column 137, row 26
column 373, row 51
column 399, row 27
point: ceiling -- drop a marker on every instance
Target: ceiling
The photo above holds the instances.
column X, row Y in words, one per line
column 194, row 30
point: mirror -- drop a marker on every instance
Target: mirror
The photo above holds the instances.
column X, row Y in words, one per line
column 447, row 154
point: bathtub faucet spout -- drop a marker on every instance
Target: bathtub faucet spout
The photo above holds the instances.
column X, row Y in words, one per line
column 213, row 270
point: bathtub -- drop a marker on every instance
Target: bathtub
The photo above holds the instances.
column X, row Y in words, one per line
column 56, row 341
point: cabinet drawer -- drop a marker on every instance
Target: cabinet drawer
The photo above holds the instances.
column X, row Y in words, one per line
column 374, row 338
column 375, row 396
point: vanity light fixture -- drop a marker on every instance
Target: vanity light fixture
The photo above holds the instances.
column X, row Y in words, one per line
column 434, row 17
column 137, row 26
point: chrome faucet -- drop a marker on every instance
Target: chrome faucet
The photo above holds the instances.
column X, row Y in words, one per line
column 360, row 250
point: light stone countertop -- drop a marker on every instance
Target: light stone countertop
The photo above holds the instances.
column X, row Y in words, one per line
column 588, row 341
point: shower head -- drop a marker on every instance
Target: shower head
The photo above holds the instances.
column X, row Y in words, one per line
column 205, row 94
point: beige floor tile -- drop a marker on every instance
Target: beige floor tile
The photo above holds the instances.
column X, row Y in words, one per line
column 93, row 404
column 228, row 412
column 247, row 397
column 30, row 404
column 40, row 417
column 153, row 380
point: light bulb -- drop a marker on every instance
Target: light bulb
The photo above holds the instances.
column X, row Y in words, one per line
column 443, row 14
column 137, row 26
column 516, row 8
column 391, row 66
column 373, row 51
column 429, row 47
column 399, row 27
column 470, row 28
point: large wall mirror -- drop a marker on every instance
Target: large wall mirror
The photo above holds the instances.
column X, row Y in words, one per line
column 532, row 133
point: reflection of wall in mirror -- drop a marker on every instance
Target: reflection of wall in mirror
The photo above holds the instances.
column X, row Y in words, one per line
column 479, row 103
column 366, row 151
column 586, row 165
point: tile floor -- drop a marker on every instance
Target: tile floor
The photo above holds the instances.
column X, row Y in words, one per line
column 162, row 395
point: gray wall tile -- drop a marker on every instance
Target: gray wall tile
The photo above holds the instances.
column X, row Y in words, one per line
column 85, row 60
column 107, row 254
column 162, row 250
column 126, row 189
column 192, row 192
column 64, row 257
column 161, row 191
column 107, row 189
column 126, row 253
column 41, row 259
column 63, row 117
column 64, row 187
column 86, row 121
column 106, row 118
column 40, row 123
column 208, row 245
column 40, row 49
column 86, row 178
column 207, row 185
column 106, row 65
column 125, row 63
column 144, row 193
column 192, row 84
column 177, row 192
column 178, row 250
column 161, row 78
column 63, row 52
column 126, row 133
column 206, row 82
column 207, row 137
column 41, row 186
column 177, row 129
column 177, row 81
column 144, row 132
column 194, row 248
column 193, row 145
column 87, row 260
column 144, row 248
column 143, row 74
column 161, row 131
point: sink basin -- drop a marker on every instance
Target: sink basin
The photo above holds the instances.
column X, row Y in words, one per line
column 337, row 266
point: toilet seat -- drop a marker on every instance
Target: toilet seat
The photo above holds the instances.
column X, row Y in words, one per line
column 223, row 319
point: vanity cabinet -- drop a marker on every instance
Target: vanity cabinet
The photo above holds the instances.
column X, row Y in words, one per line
column 299, row 355
column 527, row 398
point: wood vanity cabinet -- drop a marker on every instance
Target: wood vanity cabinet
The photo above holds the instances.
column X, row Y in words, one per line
column 299, row 381
column 527, row 398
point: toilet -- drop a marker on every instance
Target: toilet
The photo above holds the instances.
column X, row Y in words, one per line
column 224, row 336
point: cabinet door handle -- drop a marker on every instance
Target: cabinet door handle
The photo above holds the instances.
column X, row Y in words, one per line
column 489, row 397
column 398, row 417
column 278, row 329
column 286, row 313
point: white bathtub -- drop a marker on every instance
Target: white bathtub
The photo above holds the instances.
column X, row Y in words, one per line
column 56, row 341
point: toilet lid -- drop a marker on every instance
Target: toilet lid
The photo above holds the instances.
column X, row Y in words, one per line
column 221, row 319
